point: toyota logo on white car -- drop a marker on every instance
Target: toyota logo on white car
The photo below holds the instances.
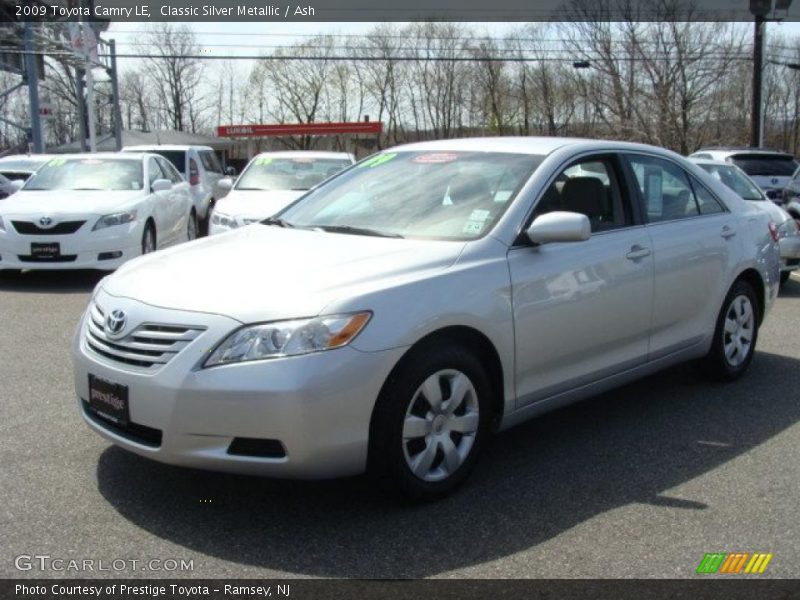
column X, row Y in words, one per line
column 115, row 322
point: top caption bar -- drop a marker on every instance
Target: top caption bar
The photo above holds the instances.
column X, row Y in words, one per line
column 391, row 10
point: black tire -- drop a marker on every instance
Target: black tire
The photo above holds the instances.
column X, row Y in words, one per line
column 149, row 230
column 716, row 363
column 192, row 227
column 390, row 452
column 785, row 276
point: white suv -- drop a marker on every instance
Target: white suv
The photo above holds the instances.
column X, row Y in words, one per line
column 770, row 169
column 199, row 165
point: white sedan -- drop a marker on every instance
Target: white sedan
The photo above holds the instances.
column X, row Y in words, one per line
column 270, row 182
column 95, row 211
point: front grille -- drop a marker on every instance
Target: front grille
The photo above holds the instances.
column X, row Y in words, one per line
column 149, row 346
column 141, row 434
column 63, row 258
column 63, row 228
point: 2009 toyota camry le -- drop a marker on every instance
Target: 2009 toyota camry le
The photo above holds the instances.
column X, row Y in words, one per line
column 392, row 318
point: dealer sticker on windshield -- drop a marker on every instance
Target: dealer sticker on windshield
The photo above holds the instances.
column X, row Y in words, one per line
column 435, row 158
column 477, row 219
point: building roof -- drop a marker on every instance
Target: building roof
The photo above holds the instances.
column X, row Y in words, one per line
column 106, row 142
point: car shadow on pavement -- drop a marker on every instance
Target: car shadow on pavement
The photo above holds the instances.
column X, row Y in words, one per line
column 50, row 282
column 534, row 482
column 791, row 289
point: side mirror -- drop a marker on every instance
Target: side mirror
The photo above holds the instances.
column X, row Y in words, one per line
column 230, row 171
column 16, row 184
column 225, row 184
column 161, row 185
column 559, row 226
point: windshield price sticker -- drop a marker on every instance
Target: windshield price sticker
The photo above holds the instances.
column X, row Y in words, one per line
column 377, row 160
column 263, row 161
column 477, row 219
column 436, row 158
column 57, row 162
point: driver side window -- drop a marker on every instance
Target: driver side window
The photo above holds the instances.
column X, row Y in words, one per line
column 589, row 186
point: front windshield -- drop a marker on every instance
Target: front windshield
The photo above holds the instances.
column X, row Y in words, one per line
column 735, row 180
column 289, row 173
column 434, row 195
column 110, row 174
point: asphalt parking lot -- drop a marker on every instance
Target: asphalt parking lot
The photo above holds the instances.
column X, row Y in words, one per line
column 639, row 482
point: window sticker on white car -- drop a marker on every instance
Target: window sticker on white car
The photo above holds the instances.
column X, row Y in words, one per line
column 57, row 162
column 264, row 160
column 436, row 158
column 476, row 221
column 655, row 197
column 377, row 160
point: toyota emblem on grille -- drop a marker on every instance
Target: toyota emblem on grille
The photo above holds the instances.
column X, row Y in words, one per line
column 45, row 221
column 115, row 322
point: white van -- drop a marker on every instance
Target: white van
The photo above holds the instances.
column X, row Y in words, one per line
column 199, row 165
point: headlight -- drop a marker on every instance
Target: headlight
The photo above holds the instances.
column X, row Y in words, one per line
column 288, row 338
column 787, row 228
column 119, row 218
column 218, row 218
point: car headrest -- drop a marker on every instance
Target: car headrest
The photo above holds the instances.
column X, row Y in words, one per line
column 584, row 195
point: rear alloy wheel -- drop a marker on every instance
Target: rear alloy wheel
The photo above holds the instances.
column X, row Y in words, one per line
column 735, row 334
column 149, row 239
column 430, row 422
column 191, row 227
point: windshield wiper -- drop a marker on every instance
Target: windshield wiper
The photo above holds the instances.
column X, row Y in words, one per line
column 253, row 189
column 277, row 221
column 354, row 230
column 88, row 189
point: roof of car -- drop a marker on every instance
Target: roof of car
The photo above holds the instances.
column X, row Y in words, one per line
column 520, row 145
column 305, row 154
column 731, row 150
column 157, row 147
column 712, row 161
column 104, row 155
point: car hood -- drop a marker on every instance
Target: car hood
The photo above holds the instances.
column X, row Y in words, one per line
column 57, row 202
column 263, row 273
column 262, row 204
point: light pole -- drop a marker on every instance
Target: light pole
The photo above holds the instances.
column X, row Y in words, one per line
column 760, row 9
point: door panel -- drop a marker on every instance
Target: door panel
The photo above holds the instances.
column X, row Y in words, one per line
column 694, row 244
column 582, row 310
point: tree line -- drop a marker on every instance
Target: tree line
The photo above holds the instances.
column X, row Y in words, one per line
column 673, row 83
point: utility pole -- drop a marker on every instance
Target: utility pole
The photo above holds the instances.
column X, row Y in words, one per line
column 89, row 89
column 32, row 79
column 115, row 91
column 79, row 74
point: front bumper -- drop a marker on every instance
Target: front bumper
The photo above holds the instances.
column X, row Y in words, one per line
column 318, row 406
column 80, row 250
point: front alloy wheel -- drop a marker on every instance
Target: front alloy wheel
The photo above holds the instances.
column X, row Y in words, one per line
column 440, row 425
column 430, row 421
column 739, row 327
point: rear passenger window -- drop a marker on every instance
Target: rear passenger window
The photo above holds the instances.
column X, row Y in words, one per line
column 665, row 189
column 169, row 171
column 589, row 187
column 706, row 201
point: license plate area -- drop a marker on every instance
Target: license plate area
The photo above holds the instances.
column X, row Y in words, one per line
column 109, row 400
column 45, row 250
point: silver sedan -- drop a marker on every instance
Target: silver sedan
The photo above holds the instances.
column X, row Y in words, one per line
column 392, row 318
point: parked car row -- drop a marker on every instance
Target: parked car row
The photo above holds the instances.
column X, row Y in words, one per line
column 96, row 211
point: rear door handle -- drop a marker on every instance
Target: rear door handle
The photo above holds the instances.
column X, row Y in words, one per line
column 727, row 232
column 637, row 252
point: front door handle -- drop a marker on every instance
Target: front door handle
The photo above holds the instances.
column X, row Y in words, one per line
column 637, row 252
column 727, row 232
